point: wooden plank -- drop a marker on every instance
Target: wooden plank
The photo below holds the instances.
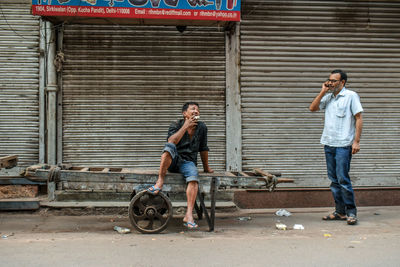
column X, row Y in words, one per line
column 8, row 161
column 132, row 177
column 147, row 178
column 242, row 182
column 19, row 181
column 19, row 204
column 263, row 173
column 33, row 168
column 96, row 169
column 285, row 180
column 51, row 189
column 271, row 176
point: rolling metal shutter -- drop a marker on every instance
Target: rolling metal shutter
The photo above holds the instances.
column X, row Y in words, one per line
column 124, row 85
column 19, row 82
column 288, row 49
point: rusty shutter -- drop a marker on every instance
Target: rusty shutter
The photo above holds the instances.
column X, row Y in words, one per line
column 124, row 85
column 19, row 82
column 288, row 48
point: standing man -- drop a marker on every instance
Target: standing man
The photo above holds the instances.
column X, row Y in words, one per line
column 185, row 138
column 341, row 139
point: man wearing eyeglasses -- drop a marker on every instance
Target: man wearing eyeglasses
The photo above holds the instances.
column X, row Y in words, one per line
column 341, row 139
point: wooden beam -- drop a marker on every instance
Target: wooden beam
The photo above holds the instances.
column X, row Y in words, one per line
column 270, row 176
column 18, row 181
column 19, row 204
column 263, row 173
column 8, row 161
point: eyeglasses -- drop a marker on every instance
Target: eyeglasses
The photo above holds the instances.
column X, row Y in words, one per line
column 332, row 81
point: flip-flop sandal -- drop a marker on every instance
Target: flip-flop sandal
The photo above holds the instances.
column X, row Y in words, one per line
column 153, row 189
column 191, row 225
column 334, row 216
column 351, row 220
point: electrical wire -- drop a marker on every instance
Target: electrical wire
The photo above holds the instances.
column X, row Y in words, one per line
column 11, row 28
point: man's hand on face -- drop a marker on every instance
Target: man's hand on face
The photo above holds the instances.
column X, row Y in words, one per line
column 325, row 87
column 191, row 122
column 355, row 148
column 190, row 116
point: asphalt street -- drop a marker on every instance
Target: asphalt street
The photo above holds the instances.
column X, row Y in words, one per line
column 241, row 238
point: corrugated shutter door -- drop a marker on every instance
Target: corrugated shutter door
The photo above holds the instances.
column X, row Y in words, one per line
column 19, row 83
column 124, row 85
column 288, row 49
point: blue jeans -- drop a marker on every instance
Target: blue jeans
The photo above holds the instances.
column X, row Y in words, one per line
column 338, row 166
column 187, row 168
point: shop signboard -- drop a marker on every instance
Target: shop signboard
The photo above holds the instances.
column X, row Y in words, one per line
column 220, row 10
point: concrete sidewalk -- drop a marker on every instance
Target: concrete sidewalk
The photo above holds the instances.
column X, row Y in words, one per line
column 241, row 238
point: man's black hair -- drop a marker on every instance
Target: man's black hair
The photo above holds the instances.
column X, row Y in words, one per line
column 187, row 104
column 343, row 75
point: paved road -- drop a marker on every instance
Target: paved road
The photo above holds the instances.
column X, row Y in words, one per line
column 46, row 239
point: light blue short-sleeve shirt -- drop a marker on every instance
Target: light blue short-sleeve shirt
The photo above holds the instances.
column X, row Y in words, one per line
column 340, row 124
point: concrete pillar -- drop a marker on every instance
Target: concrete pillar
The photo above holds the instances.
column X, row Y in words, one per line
column 42, row 97
column 51, row 89
column 233, row 104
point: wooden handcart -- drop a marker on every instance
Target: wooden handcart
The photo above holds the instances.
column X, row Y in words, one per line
column 151, row 213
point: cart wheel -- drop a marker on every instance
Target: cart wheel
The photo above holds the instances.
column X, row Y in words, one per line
column 150, row 214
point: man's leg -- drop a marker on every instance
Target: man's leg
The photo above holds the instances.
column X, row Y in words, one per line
column 190, row 173
column 191, row 194
column 343, row 158
column 167, row 158
column 330, row 156
column 166, row 161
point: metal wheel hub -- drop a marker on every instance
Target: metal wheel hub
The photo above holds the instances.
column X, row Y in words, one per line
column 150, row 211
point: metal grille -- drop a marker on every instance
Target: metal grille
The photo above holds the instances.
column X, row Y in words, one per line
column 124, row 85
column 19, row 82
column 288, row 48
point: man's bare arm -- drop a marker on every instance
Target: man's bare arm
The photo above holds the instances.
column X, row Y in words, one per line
column 204, row 160
column 317, row 100
column 176, row 137
column 359, row 124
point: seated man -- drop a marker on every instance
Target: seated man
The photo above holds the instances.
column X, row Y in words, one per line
column 186, row 137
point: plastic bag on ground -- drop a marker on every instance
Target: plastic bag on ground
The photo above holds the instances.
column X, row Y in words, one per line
column 283, row 212
column 122, row 230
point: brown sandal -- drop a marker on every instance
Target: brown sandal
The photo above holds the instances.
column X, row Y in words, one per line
column 334, row 216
